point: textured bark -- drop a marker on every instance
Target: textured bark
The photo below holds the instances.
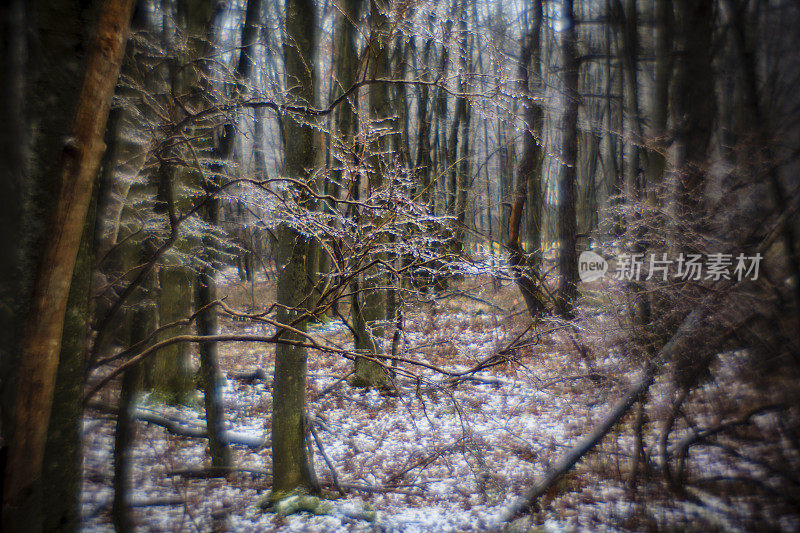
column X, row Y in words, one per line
column 61, row 472
column 461, row 142
column 290, row 463
column 567, row 255
column 43, row 70
column 372, row 309
column 168, row 374
column 43, row 330
column 529, row 175
column 13, row 147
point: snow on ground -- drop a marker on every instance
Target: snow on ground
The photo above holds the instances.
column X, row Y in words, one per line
column 449, row 458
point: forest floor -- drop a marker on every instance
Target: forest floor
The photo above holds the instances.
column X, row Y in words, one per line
column 437, row 457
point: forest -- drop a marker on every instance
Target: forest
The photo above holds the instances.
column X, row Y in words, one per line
column 399, row 265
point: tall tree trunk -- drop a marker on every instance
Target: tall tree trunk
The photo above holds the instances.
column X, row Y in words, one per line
column 424, row 164
column 567, row 254
column 613, row 125
column 529, row 173
column 206, row 285
column 370, row 313
column 143, row 320
column 61, row 473
column 634, row 176
column 692, row 86
column 40, row 80
column 124, row 436
column 460, row 138
column 169, row 374
column 290, row 463
column 13, row 151
column 660, row 96
column 41, row 341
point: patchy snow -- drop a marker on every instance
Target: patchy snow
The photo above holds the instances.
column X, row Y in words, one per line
column 449, row 458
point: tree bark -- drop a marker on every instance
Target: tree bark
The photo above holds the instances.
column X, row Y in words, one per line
column 529, row 174
column 567, row 187
column 290, row 462
column 370, row 314
column 41, row 342
column 63, row 457
column 693, row 107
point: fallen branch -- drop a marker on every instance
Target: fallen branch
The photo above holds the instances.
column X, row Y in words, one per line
column 248, row 376
column 379, row 489
column 185, row 429
column 215, row 471
column 679, row 342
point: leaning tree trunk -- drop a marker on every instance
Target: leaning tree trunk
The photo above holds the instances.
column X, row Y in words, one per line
column 41, row 342
column 61, row 471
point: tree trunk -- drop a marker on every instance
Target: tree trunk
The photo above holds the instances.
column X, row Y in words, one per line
column 692, row 85
column 290, row 464
column 373, row 306
column 567, row 254
column 13, row 152
column 168, row 374
column 461, row 151
column 61, row 473
column 208, row 324
column 143, row 321
column 660, row 102
column 634, row 175
column 529, row 174
column 41, row 342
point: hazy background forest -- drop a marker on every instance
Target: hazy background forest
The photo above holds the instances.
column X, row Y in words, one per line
column 400, row 265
